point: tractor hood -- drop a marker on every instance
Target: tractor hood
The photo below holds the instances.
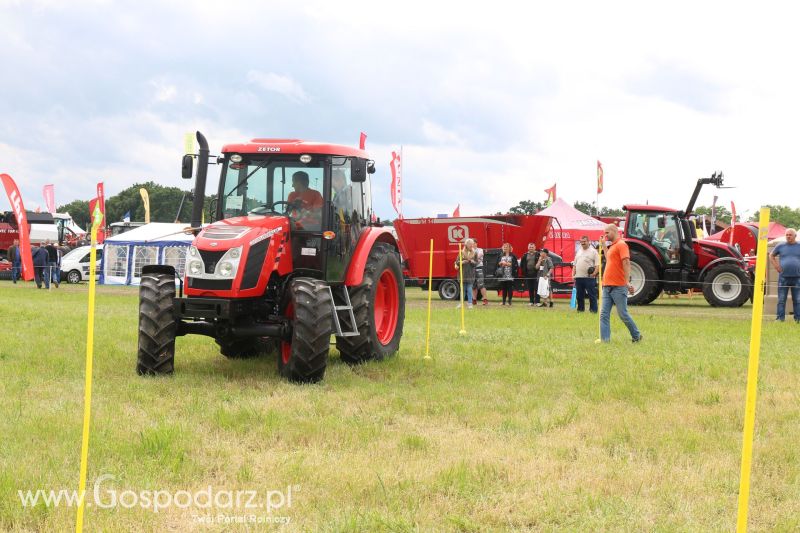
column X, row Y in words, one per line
column 720, row 249
column 240, row 231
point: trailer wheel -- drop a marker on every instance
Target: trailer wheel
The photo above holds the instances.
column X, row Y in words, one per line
column 157, row 326
column 644, row 278
column 379, row 307
column 308, row 306
column 73, row 276
column 449, row 289
column 245, row 348
column 727, row 286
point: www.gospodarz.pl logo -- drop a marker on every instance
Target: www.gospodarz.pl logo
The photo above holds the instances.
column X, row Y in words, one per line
column 104, row 496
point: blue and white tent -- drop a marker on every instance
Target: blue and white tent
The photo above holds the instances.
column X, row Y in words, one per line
column 157, row 243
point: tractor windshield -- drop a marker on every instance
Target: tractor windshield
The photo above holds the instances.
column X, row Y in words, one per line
column 274, row 185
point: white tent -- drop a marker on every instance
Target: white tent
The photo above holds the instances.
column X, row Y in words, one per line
column 157, row 243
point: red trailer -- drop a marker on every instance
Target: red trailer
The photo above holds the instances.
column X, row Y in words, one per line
column 490, row 232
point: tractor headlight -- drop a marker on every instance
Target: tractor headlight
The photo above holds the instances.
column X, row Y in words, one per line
column 229, row 264
column 195, row 267
column 225, row 269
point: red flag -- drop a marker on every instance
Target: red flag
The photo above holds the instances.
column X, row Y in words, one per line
column 733, row 222
column 49, row 198
column 457, row 212
column 15, row 199
column 599, row 177
column 551, row 194
column 397, row 179
column 362, row 142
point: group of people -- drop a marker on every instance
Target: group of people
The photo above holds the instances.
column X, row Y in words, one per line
column 46, row 263
column 536, row 268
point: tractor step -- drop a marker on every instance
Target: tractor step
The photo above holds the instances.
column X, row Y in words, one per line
column 347, row 307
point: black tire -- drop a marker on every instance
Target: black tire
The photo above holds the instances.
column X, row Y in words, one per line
column 246, row 348
column 727, row 286
column 449, row 289
column 157, row 325
column 367, row 345
column 644, row 278
column 73, row 276
column 305, row 357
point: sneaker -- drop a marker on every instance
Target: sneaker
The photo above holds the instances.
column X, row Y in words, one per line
column 458, row 306
column 485, row 301
column 551, row 304
column 540, row 304
column 638, row 339
column 469, row 306
column 531, row 305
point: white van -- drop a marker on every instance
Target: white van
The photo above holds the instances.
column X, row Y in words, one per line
column 75, row 264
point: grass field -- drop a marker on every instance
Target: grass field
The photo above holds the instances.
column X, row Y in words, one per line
column 523, row 424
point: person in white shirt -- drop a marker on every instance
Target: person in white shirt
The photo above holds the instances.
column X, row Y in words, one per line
column 584, row 272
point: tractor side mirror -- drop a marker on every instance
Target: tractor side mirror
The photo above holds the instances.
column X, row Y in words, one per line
column 371, row 167
column 186, row 167
column 358, row 171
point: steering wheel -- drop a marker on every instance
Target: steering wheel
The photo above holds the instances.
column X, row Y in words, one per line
column 263, row 209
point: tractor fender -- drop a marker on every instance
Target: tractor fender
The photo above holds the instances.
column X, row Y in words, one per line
column 158, row 269
column 649, row 251
column 355, row 272
column 716, row 262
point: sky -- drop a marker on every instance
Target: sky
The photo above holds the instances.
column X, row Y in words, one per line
column 491, row 102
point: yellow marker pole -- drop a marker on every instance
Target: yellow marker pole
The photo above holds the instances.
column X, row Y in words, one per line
column 752, row 371
column 430, row 293
column 87, row 394
column 599, row 294
column 462, row 331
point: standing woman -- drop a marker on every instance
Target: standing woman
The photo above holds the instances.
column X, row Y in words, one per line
column 467, row 266
column 545, row 268
column 508, row 262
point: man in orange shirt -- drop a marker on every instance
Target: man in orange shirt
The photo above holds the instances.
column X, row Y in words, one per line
column 308, row 202
column 616, row 274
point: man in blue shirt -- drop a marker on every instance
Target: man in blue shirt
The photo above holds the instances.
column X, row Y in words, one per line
column 40, row 272
column 786, row 260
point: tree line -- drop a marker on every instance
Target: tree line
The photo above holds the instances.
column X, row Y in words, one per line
column 164, row 203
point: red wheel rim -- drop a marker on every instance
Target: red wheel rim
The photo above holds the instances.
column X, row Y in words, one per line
column 286, row 347
column 387, row 305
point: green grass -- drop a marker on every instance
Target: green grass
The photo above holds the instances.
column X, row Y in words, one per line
column 523, row 424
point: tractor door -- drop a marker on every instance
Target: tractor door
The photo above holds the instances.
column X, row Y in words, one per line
column 348, row 206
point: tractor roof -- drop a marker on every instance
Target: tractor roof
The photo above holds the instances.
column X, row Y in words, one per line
column 646, row 207
column 293, row 146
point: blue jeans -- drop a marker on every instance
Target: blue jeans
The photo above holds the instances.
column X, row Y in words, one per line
column 16, row 272
column 468, row 291
column 55, row 272
column 586, row 287
column 784, row 284
column 616, row 296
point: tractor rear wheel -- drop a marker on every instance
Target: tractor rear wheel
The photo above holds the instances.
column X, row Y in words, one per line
column 157, row 326
column 644, row 278
column 308, row 306
column 245, row 348
column 449, row 289
column 379, row 307
column 727, row 286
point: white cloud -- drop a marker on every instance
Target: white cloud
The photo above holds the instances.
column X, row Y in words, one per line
column 283, row 85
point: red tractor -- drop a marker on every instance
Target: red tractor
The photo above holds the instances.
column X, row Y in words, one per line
column 666, row 255
column 292, row 258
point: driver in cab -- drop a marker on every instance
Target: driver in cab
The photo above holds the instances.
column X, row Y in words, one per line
column 308, row 201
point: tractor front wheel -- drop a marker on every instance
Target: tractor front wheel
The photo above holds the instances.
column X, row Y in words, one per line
column 309, row 309
column 727, row 286
column 157, row 326
column 379, row 307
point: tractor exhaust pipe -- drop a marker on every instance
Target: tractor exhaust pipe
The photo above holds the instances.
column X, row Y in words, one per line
column 200, row 182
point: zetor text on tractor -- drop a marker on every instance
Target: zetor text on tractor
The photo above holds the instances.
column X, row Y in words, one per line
column 292, row 258
column 666, row 255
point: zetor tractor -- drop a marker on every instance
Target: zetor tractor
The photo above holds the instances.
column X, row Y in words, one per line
column 292, row 258
column 666, row 255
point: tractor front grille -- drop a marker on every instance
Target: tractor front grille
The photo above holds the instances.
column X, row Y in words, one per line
column 255, row 261
column 211, row 258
